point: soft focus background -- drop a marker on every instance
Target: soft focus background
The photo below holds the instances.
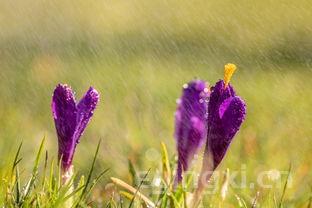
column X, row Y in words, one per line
column 138, row 54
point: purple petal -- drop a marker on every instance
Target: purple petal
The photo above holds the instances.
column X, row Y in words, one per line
column 64, row 114
column 85, row 111
column 191, row 123
column 233, row 112
column 233, row 115
column 224, row 106
column 218, row 95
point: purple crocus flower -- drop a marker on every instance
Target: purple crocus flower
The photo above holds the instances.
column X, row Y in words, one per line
column 191, row 123
column 226, row 112
column 71, row 119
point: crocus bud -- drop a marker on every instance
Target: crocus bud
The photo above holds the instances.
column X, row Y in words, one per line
column 226, row 112
column 190, row 123
column 71, row 120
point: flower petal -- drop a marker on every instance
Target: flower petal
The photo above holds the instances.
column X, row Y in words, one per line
column 64, row 113
column 232, row 113
column 85, row 111
column 233, row 116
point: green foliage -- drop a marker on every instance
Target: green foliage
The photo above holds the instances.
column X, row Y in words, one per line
column 182, row 195
column 48, row 190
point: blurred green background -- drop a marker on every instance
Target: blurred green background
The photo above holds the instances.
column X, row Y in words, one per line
column 138, row 54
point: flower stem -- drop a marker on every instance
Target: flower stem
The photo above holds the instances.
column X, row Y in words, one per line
column 67, row 181
column 204, row 178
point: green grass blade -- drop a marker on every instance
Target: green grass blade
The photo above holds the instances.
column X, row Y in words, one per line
column 89, row 175
column 285, row 187
column 96, row 180
column 44, row 170
column 136, row 192
column 17, row 186
column 165, row 164
column 132, row 172
column 16, row 158
column 34, row 175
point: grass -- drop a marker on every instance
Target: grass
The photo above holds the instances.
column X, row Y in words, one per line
column 138, row 54
column 45, row 190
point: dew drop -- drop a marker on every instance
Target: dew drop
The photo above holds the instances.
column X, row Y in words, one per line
column 185, row 86
column 157, row 181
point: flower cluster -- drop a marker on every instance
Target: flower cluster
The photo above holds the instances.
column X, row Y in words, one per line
column 212, row 116
column 205, row 116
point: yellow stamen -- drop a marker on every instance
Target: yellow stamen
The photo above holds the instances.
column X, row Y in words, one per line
column 229, row 70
